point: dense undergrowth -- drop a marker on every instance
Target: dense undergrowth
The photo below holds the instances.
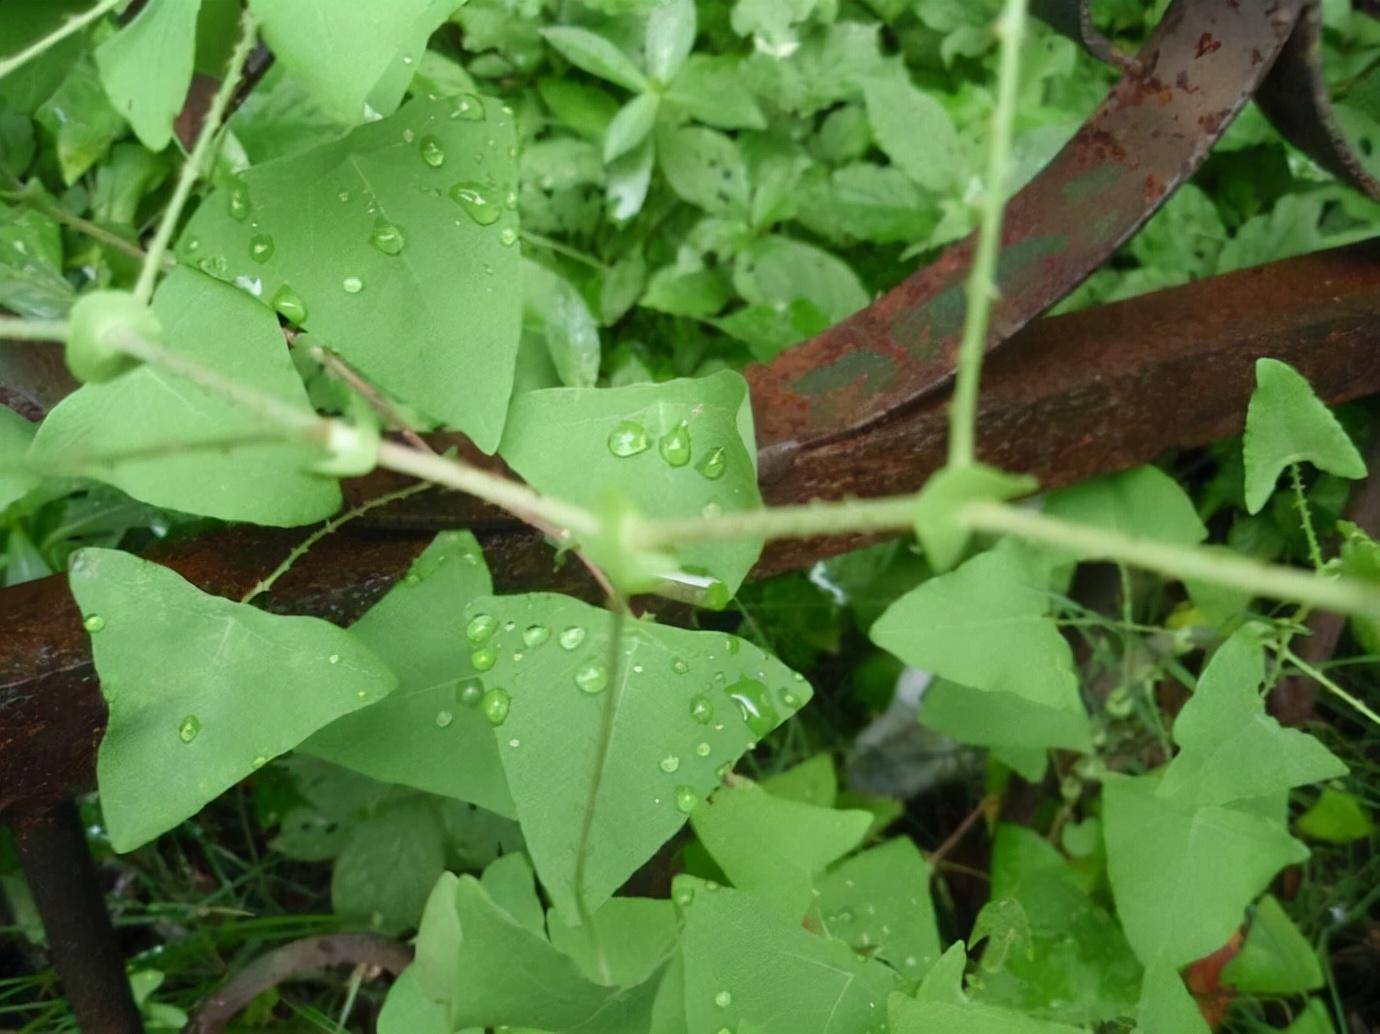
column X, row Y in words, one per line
column 561, row 229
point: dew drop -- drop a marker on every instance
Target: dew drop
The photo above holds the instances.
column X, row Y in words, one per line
column 93, row 623
column 592, row 677
column 686, row 799
column 713, row 464
column 701, row 709
column 344, row 196
column 628, row 439
column 723, row 999
column 675, row 445
column 259, row 761
column 468, row 107
column 333, row 659
column 387, row 238
column 754, row 705
column 432, row 152
column 288, row 303
column 239, row 202
column 187, row 731
column 702, row 749
column 535, row 635
column 484, row 658
column 789, row 699
column 469, row 692
column 571, row 637
column 412, row 578
column 507, row 236
column 684, row 896
column 444, row 718
column 481, row 628
column 352, row 284
column 510, row 200
column 408, row 136
column 679, row 666
column 670, row 763
column 261, row 247
column 474, row 199
column 495, row 706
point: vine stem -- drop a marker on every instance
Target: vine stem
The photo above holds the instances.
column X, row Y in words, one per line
column 1327, row 684
column 1305, row 517
column 32, row 330
column 982, row 287
column 74, row 24
column 40, row 203
column 327, row 528
column 1188, row 564
column 191, row 169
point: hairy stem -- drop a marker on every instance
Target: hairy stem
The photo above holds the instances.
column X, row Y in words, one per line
column 32, row 330
column 1327, row 684
column 982, row 285
column 73, row 24
column 196, row 161
column 1305, row 517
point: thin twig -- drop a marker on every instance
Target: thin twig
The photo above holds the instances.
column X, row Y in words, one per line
column 952, row 840
column 342, row 371
column 298, row 551
column 196, row 161
column 74, row 24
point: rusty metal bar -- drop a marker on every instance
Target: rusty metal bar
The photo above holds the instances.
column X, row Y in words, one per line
column 62, row 879
column 1075, row 396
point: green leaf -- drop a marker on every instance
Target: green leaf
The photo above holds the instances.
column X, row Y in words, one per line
column 26, row 22
column 491, row 971
column 930, row 1013
column 80, row 120
column 400, row 232
column 879, row 903
column 558, row 310
column 1168, row 860
column 1336, row 818
column 147, row 66
column 409, row 1010
column 212, row 709
column 777, row 270
column 15, row 435
column 31, row 280
column 279, row 118
column 1078, row 967
column 1230, row 749
column 744, row 964
column 388, row 866
column 770, row 20
column 704, row 167
column 714, row 90
column 986, row 626
column 124, row 181
column 1285, row 424
column 1141, row 503
column 566, row 442
column 1275, row 959
column 914, row 130
column 631, row 125
column 669, row 38
column 628, row 940
column 937, row 525
column 353, row 64
column 1166, row 1007
column 1315, row 1019
column 628, row 180
column 862, row 201
column 813, row 781
column 150, row 410
column 512, row 885
column 584, row 108
column 605, row 766
column 775, row 847
column 429, row 733
column 596, row 55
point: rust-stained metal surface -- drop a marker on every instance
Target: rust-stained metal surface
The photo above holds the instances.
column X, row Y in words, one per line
column 1074, row 396
column 1153, row 130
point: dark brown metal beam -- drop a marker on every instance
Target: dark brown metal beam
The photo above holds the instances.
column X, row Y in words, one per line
column 1072, row 397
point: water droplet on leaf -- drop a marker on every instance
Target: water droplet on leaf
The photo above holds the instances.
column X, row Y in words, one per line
column 495, row 706
column 713, row 464
column 288, row 303
column 592, row 677
column 474, row 199
column 468, row 107
column 670, row 763
column 535, row 635
column 94, row 623
column 507, row 237
column 484, row 658
column 444, row 718
column 723, row 999
column 572, row 637
column 261, row 247
column 469, row 692
column 675, row 445
column 481, row 628
column 686, row 799
column 239, row 202
column 352, row 284
column 628, row 439
column 701, row 709
column 187, row 731
column 679, row 666
column 432, row 152
column 754, row 705
column 387, row 238
column 702, row 749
